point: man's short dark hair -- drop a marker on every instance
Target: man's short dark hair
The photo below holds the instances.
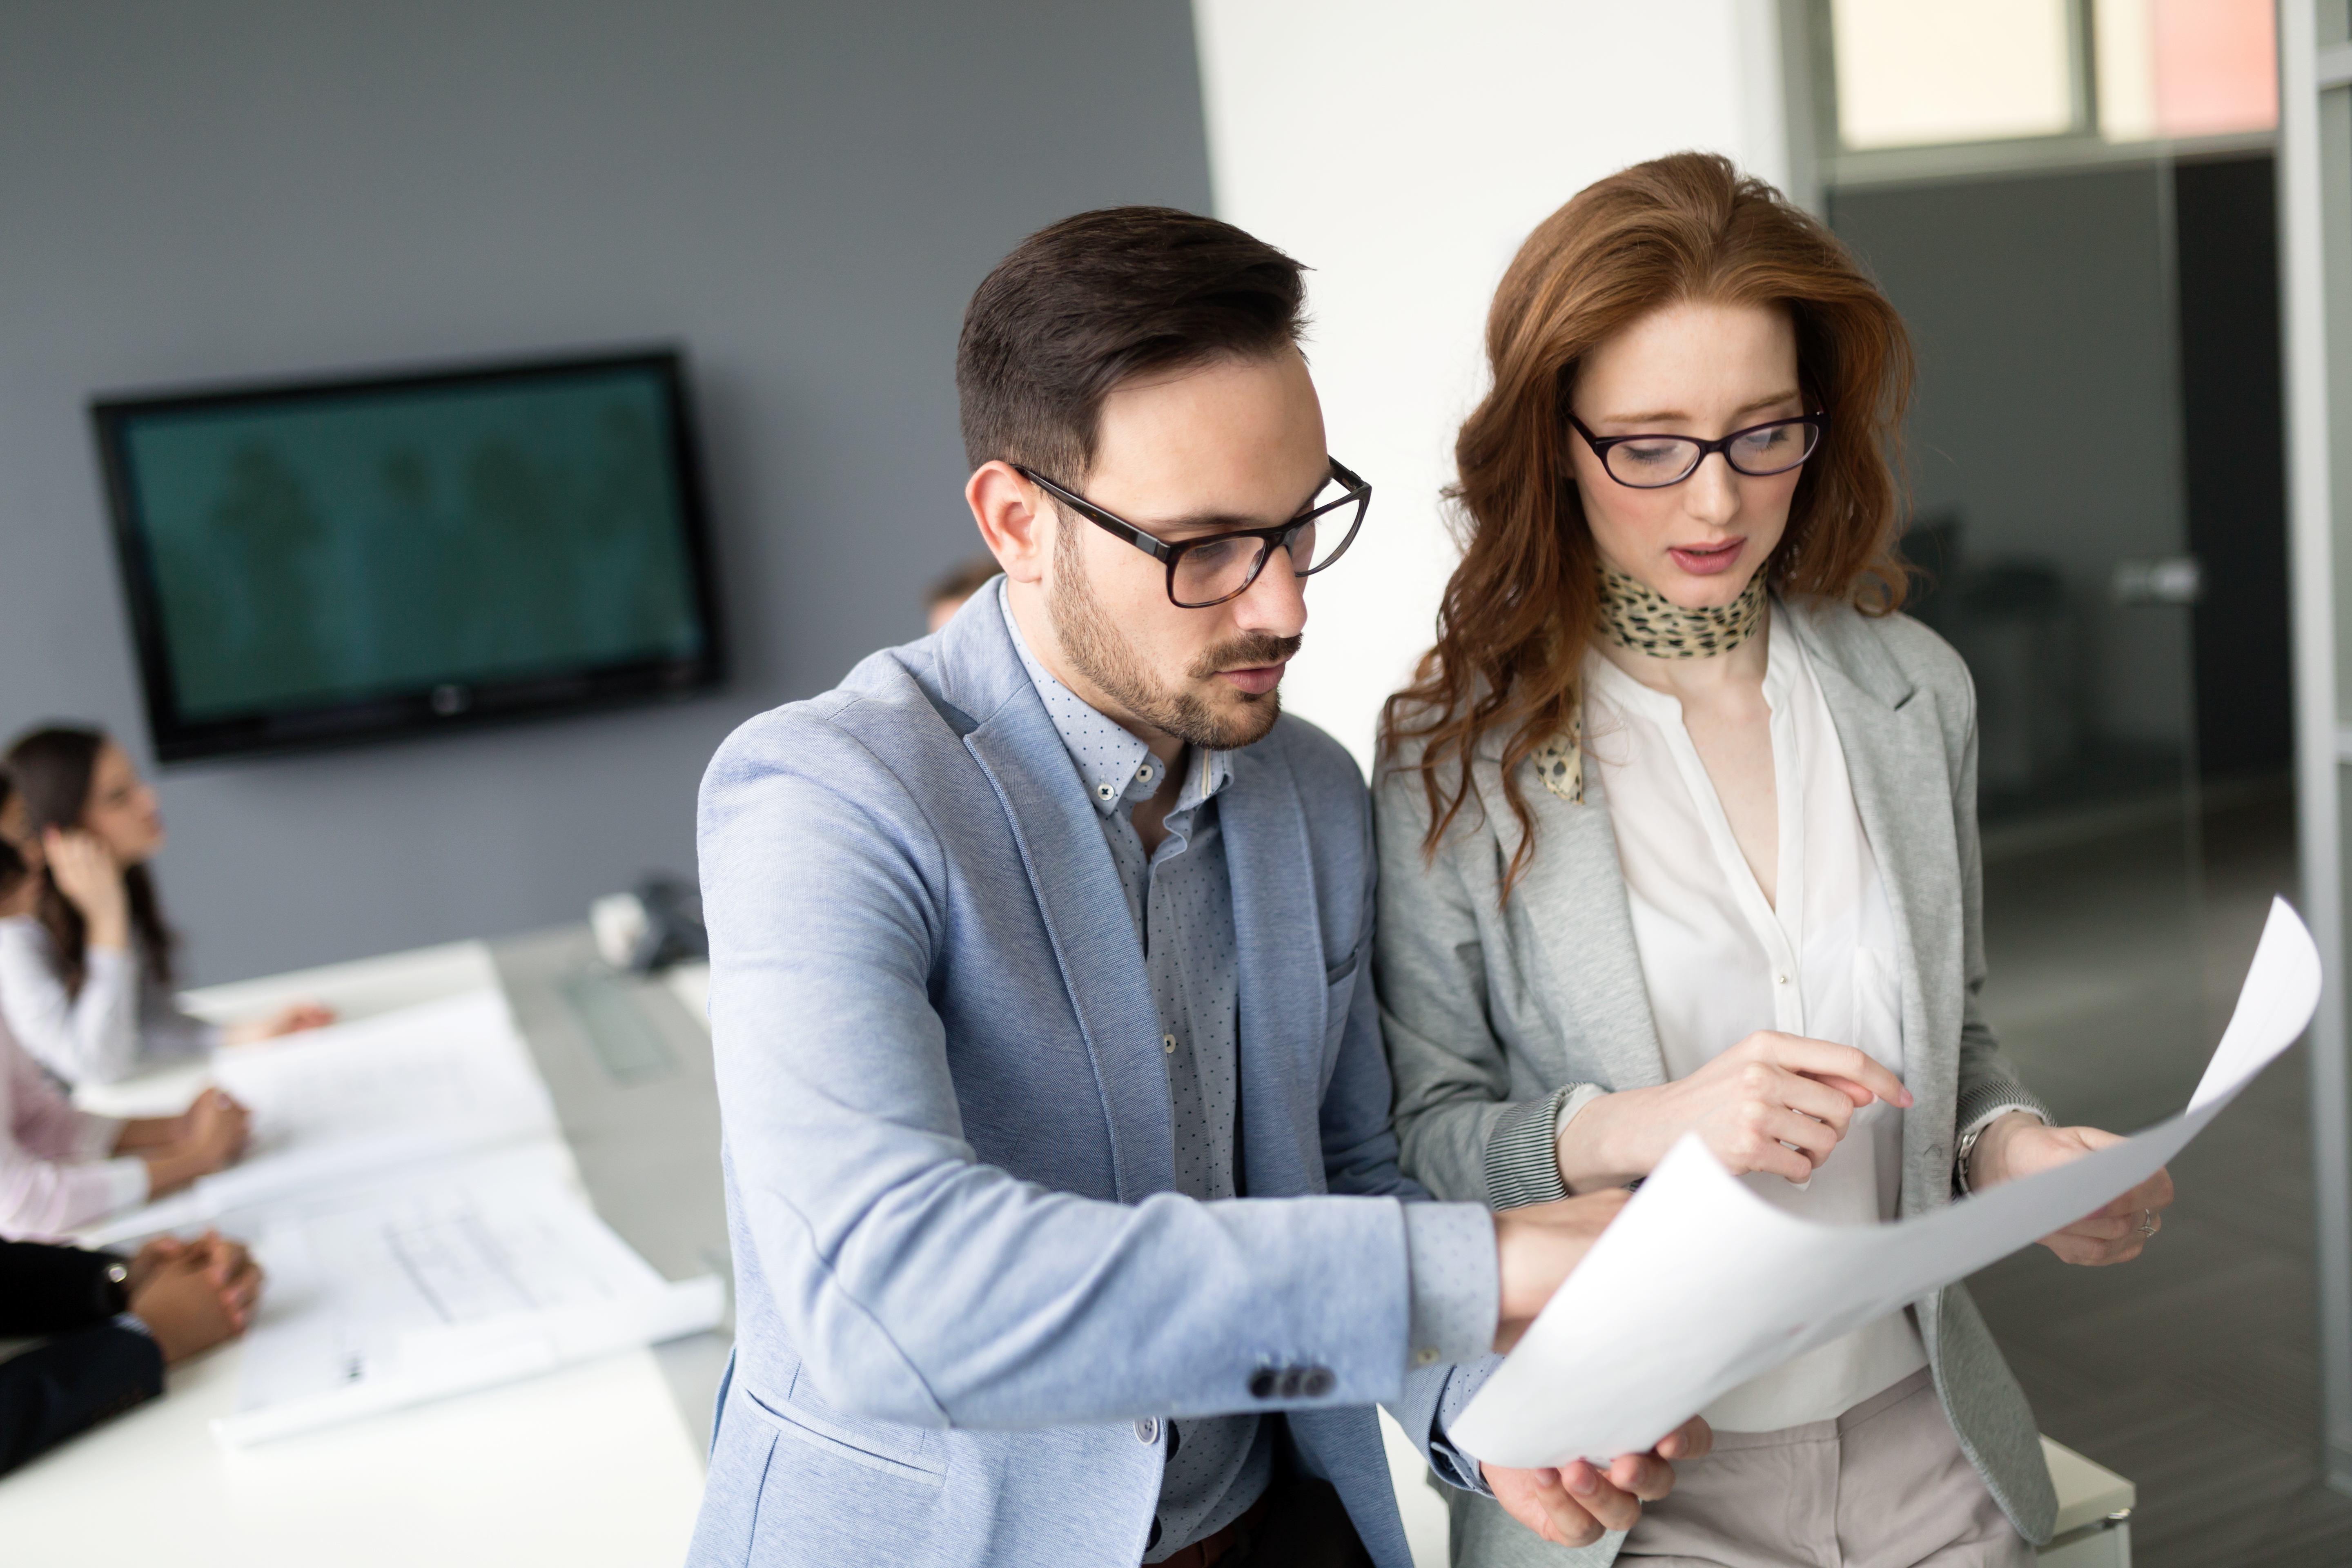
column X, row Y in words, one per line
column 1081, row 306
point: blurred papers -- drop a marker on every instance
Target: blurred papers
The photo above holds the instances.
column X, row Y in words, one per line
column 356, row 1099
column 475, row 1273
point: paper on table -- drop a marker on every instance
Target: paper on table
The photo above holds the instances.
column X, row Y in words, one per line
column 487, row 1271
column 1700, row 1284
column 342, row 1103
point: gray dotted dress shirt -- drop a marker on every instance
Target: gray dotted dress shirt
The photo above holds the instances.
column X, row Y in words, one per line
column 1181, row 899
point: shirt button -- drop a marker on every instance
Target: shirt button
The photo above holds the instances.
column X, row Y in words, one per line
column 1147, row 1430
column 1144, row 772
column 1106, row 791
column 1168, row 1043
column 1780, row 979
column 1425, row 1356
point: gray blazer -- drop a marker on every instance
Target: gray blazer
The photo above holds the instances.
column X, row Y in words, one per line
column 1491, row 1008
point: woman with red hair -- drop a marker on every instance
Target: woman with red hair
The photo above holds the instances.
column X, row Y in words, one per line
column 1678, row 835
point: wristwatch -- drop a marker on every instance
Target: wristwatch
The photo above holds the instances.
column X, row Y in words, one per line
column 1968, row 1144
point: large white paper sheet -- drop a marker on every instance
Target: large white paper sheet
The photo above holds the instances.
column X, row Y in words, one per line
column 1700, row 1284
column 475, row 1273
column 344, row 1102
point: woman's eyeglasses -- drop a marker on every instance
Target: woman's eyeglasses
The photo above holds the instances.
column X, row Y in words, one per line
column 1654, row 462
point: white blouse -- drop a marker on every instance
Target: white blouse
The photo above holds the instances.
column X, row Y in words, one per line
column 1720, row 962
column 123, row 1021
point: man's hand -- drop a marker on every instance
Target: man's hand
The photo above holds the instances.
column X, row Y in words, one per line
column 2019, row 1145
column 1536, row 1246
column 1776, row 1103
column 162, row 1250
column 195, row 1301
column 1575, row 1504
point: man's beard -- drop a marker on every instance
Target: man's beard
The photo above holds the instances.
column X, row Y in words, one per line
column 1099, row 651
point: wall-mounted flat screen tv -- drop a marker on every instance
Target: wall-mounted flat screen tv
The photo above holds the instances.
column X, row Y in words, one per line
column 330, row 561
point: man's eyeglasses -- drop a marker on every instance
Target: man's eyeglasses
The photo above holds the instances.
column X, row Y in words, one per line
column 1215, row 568
column 1654, row 462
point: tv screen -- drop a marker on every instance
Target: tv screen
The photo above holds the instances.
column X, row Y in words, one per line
column 334, row 560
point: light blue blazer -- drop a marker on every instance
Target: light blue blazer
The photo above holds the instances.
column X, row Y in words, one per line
column 967, row 1294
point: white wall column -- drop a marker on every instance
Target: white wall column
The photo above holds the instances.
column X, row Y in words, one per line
column 1403, row 152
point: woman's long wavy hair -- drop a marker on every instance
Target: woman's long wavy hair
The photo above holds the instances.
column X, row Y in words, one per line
column 53, row 768
column 1523, row 603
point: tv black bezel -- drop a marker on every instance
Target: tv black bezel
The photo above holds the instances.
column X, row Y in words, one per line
column 446, row 706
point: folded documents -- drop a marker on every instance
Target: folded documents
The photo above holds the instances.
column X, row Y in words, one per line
column 1701, row 1285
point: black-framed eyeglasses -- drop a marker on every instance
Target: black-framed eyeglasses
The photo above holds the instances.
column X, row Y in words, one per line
column 1654, row 462
column 1206, row 572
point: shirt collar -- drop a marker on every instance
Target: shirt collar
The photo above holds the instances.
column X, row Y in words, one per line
column 1117, row 768
column 1782, row 661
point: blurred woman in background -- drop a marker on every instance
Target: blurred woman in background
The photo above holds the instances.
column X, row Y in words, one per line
column 62, row 1168
column 86, row 974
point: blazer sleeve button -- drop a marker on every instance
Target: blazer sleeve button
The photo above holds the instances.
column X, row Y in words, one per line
column 1318, row 1383
column 1262, row 1383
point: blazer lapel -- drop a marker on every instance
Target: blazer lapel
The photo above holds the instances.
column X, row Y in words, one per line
column 1892, row 739
column 1076, row 887
column 1278, row 931
column 1575, row 893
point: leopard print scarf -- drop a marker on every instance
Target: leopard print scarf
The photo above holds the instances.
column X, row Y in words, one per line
column 1636, row 617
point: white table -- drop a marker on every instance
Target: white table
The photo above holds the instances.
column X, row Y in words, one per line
column 596, row 1464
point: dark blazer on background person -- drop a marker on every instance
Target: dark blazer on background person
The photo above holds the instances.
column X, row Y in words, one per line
column 93, row 1369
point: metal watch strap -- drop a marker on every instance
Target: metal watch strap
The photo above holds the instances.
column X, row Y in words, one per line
column 1961, row 1152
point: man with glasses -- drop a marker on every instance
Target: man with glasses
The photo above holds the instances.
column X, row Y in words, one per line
column 1066, row 1219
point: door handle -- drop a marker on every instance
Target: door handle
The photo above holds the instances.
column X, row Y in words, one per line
column 2160, row 579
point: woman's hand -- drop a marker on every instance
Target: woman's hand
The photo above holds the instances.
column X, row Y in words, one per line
column 213, row 1133
column 1773, row 1102
column 2019, row 1145
column 1575, row 1504
column 86, row 874
column 291, row 1019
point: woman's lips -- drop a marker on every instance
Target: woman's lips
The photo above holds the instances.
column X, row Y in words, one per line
column 1257, row 680
column 1706, row 561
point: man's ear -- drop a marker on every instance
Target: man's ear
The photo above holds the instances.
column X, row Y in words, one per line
column 1013, row 521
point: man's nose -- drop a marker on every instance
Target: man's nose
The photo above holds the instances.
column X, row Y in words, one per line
column 1277, row 603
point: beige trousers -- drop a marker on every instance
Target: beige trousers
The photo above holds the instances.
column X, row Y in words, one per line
column 1883, row 1486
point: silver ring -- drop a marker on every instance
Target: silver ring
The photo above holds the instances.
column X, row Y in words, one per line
column 2147, row 1224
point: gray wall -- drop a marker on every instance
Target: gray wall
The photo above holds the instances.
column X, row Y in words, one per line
column 2041, row 308
column 805, row 196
